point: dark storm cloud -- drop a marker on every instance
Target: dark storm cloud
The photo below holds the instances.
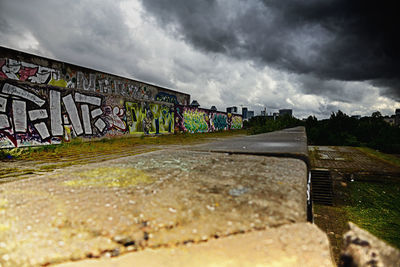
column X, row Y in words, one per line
column 334, row 89
column 339, row 40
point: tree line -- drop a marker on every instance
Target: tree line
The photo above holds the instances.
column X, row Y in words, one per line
column 339, row 130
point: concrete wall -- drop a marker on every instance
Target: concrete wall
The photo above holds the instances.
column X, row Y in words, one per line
column 25, row 67
column 43, row 101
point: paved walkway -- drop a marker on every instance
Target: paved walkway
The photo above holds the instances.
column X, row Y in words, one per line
column 349, row 159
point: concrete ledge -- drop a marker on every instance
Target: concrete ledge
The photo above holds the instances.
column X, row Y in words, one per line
column 288, row 143
column 300, row 244
column 237, row 207
column 154, row 199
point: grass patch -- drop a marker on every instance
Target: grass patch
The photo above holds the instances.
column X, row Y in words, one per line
column 14, row 153
column 56, row 166
column 373, row 206
column 391, row 159
column 6, row 171
column 313, row 155
column 78, row 146
column 333, row 221
column 376, row 208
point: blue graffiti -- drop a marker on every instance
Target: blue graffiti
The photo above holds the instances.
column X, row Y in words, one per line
column 164, row 97
column 219, row 121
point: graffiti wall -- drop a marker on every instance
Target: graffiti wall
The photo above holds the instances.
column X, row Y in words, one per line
column 53, row 102
column 24, row 67
column 33, row 115
column 196, row 120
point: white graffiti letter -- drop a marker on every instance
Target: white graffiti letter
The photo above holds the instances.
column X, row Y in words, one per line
column 19, row 115
column 55, row 113
column 73, row 113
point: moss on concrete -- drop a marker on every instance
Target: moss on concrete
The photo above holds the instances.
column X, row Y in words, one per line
column 110, row 177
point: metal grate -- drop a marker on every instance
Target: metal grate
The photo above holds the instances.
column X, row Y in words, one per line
column 321, row 187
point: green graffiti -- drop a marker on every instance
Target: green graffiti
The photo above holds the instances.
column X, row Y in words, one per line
column 149, row 118
column 164, row 117
column 195, row 121
column 237, row 122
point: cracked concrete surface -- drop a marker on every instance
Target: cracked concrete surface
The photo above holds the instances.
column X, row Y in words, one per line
column 155, row 199
column 213, row 206
column 270, row 247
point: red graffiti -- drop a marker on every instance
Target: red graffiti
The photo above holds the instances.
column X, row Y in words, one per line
column 2, row 74
column 10, row 137
column 25, row 73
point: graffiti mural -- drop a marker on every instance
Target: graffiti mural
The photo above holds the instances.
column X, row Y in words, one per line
column 22, row 71
column 114, row 115
column 220, row 121
column 164, row 97
column 149, row 118
column 36, row 115
column 197, row 120
column 237, row 122
column 31, row 116
column 55, row 102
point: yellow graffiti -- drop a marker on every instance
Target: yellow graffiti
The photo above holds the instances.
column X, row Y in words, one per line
column 237, row 122
column 67, row 133
column 195, row 121
column 149, row 118
column 59, row 83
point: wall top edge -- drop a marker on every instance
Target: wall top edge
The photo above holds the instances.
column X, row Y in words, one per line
column 6, row 52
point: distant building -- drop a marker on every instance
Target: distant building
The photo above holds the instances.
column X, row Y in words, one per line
column 195, row 104
column 397, row 117
column 244, row 113
column 214, row 108
column 263, row 113
column 390, row 120
column 283, row 112
column 356, row 117
column 250, row 114
column 231, row 109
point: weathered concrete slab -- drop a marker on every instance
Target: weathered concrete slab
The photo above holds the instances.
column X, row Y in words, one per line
column 300, row 244
column 291, row 143
column 163, row 198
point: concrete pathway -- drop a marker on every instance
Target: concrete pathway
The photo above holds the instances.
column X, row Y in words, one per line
column 350, row 160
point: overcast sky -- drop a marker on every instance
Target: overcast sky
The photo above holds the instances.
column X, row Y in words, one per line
column 313, row 56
